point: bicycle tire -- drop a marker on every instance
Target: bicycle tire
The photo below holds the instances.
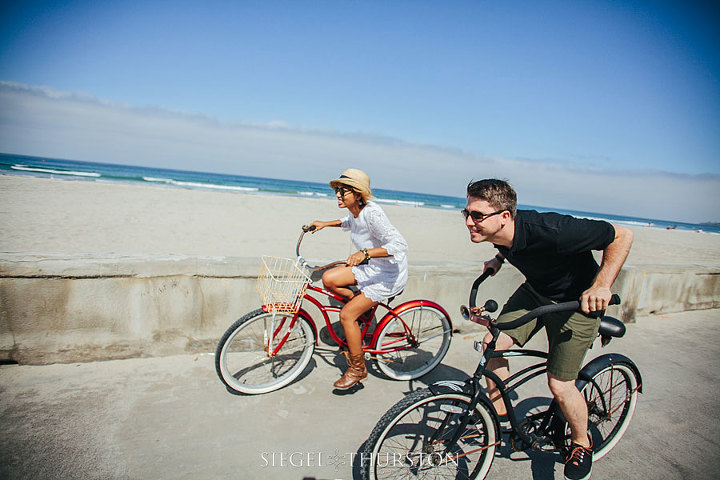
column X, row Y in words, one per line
column 241, row 360
column 397, row 448
column 611, row 397
column 432, row 331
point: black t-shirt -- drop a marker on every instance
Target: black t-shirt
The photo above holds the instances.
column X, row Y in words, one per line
column 554, row 252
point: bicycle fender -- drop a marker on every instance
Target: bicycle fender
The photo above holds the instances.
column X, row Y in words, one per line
column 597, row 364
column 410, row 304
column 450, row 386
column 456, row 386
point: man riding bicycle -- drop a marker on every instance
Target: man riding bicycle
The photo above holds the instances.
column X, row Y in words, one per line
column 554, row 253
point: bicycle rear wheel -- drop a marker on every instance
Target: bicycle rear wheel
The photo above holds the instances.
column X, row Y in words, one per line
column 413, row 357
column 411, row 440
column 611, row 396
column 242, row 361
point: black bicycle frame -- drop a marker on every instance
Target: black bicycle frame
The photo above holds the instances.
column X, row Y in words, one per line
column 520, row 377
column 505, row 388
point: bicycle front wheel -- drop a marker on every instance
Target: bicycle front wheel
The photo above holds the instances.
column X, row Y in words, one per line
column 611, row 396
column 416, row 342
column 412, row 440
column 243, row 361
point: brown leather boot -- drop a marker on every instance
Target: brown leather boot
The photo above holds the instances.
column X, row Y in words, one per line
column 355, row 373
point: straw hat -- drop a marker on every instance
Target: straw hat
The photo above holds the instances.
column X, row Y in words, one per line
column 357, row 180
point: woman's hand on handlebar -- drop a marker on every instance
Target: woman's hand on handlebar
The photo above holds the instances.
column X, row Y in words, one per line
column 318, row 225
column 314, row 227
column 595, row 299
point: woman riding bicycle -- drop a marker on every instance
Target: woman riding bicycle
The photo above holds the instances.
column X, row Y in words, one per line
column 379, row 268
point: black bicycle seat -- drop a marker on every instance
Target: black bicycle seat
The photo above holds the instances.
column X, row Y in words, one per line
column 611, row 327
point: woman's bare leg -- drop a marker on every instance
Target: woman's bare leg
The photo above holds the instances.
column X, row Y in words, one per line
column 337, row 279
column 348, row 318
column 357, row 371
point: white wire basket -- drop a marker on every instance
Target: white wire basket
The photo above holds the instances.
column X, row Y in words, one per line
column 281, row 284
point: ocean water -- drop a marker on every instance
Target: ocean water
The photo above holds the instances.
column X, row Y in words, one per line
column 103, row 172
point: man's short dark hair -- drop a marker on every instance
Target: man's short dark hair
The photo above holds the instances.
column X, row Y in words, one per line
column 498, row 193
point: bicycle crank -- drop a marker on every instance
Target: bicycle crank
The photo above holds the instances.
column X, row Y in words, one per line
column 532, row 429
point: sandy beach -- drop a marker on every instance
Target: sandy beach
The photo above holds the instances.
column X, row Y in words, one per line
column 68, row 217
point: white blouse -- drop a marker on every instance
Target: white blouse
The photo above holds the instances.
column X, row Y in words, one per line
column 382, row 277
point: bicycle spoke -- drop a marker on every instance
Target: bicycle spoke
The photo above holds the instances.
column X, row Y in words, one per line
column 444, row 332
column 414, row 342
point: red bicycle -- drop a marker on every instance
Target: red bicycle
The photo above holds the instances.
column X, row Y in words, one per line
column 270, row 347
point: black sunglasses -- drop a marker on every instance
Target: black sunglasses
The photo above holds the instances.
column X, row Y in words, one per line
column 477, row 216
column 343, row 191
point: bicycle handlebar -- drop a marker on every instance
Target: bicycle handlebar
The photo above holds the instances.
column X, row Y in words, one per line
column 558, row 307
column 476, row 284
column 316, row 268
column 545, row 309
column 305, row 229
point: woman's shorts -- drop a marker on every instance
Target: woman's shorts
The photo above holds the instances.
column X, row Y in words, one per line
column 569, row 334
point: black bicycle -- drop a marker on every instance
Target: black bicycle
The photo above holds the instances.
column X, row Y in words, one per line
column 451, row 429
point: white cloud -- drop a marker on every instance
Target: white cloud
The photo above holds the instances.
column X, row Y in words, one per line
column 42, row 122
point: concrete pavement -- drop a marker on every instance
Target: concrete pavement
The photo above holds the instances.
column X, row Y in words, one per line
column 170, row 417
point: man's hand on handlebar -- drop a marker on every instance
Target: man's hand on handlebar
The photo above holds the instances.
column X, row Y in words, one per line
column 595, row 299
column 493, row 264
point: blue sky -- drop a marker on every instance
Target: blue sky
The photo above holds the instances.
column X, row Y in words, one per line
column 560, row 97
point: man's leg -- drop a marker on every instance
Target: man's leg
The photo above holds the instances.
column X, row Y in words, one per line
column 520, row 302
column 500, row 367
column 579, row 458
column 573, row 406
column 569, row 340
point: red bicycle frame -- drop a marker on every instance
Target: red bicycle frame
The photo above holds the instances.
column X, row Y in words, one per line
column 369, row 347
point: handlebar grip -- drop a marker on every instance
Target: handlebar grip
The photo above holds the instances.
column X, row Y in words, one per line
column 545, row 309
column 308, row 228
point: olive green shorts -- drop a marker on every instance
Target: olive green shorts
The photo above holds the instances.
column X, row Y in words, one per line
column 569, row 334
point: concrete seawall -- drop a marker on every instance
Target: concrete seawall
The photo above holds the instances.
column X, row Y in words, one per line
column 80, row 308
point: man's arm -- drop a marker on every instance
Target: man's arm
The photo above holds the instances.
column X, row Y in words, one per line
column 598, row 295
